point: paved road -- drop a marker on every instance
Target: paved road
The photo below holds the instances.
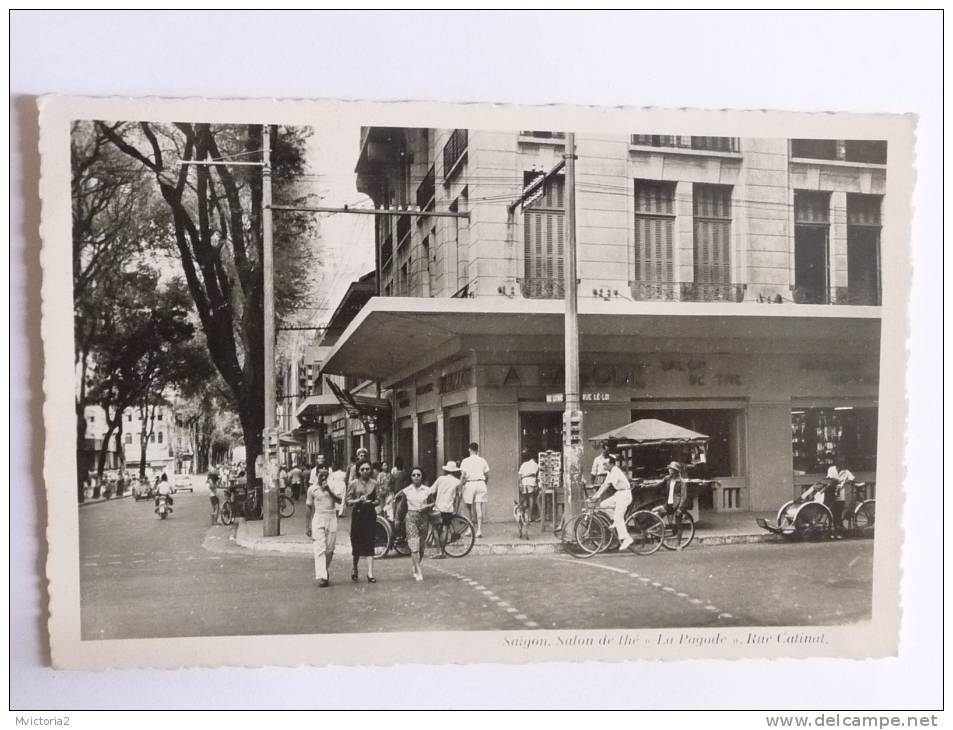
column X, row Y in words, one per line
column 142, row 577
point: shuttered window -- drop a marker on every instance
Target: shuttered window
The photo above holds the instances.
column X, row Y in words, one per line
column 544, row 236
column 712, row 214
column 654, row 223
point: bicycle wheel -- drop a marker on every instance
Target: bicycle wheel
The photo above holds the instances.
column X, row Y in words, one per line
column 286, row 508
column 591, row 535
column 646, row 530
column 460, row 537
column 382, row 538
column 227, row 514
column 566, row 532
column 682, row 538
column 399, row 542
column 864, row 515
column 813, row 520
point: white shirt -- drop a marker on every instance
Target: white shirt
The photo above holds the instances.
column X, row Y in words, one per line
column 528, row 472
column 446, row 488
column 617, row 479
column 417, row 496
column 600, row 465
column 475, row 468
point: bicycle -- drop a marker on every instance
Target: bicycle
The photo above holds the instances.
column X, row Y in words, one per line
column 461, row 537
column 677, row 536
column 592, row 532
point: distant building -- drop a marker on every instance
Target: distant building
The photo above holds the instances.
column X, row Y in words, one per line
column 731, row 286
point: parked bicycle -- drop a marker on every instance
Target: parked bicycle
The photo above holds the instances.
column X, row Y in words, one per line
column 591, row 532
column 390, row 536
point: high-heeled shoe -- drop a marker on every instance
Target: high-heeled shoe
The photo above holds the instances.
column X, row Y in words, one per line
column 354, row 576
column 371, row 579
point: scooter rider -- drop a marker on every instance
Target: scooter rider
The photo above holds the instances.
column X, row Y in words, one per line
column 164, row 490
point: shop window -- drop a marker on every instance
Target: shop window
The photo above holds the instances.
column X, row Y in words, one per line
column 541, row 432
column 724, row 454
column 863, row 249
column 654, row 258
column 811, row 241
column 712, row 211
column 844, row 437
column 544, row 240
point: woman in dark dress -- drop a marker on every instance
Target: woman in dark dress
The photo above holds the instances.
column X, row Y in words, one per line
column 362, row 496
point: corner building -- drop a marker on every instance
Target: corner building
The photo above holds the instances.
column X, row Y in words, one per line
column 731, row 286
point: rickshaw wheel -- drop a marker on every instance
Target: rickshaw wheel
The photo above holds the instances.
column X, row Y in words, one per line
column 864, row 516
column 812, row 520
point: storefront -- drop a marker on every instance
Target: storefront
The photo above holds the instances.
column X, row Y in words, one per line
column 776, row 409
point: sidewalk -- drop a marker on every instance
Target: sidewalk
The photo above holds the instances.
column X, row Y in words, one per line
column 500, row 538
column 100, row 500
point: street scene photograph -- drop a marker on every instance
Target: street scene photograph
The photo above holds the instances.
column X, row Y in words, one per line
column 339, row 378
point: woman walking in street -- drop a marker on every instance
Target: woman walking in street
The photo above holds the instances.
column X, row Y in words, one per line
column 417, row 521
column 362, row 497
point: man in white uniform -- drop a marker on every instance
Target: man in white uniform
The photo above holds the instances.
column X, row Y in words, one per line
column 476, row 473
column 619, row 501
column 600, row 466
column 322, row 523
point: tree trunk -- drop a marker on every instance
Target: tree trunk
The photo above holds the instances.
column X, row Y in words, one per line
column 82, row 459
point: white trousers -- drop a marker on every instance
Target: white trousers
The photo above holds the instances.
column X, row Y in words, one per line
column 620, row 501
column 324, row 531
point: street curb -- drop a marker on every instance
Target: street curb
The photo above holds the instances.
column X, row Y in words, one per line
column 272, row 545
column 90, row 502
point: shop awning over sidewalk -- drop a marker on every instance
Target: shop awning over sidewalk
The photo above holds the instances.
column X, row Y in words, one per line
column 392, row 335
column 650, row 432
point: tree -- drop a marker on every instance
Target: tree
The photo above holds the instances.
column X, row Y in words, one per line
column 111, row 202
column 215, row 223
column 138, row 345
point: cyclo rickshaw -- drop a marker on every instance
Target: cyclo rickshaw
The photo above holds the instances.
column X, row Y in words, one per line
column 810, row 516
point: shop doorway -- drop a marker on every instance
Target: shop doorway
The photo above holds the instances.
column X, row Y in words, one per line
column 541, row 431
column 723, row 426
column 427, row 449
column 405, row 445
column 456, row 437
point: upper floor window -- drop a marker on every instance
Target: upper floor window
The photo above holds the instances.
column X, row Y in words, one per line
column 811, row 246
column 543, row 240
column 542, row 134
column 702, row 144
column 712, row 233
column 654, row 231
column 846, row 150
column 128, row 438
column 863, row 249
column 454, row 151
column 426, row 190
column 160, row 437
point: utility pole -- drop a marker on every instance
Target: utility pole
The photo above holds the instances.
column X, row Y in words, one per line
column 572, row 417
column 269, row 506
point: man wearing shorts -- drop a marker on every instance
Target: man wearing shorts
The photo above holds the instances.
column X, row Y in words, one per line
column 447, row 490
column 528, row 473
column 476, row 473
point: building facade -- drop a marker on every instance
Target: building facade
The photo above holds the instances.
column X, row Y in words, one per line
column 731, row 286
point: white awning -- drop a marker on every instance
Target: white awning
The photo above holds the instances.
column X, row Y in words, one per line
column 391, row 334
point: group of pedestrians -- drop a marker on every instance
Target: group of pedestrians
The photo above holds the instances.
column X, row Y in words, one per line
column 368, row 488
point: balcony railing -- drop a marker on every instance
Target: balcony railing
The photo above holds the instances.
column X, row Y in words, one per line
column 542, row 288
column 857, row 296
column 686, row 291
column 425, row 192
column 702, row 144
column 453, row 151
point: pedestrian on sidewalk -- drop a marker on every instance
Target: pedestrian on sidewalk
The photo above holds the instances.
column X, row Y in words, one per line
column 676, row 497
column 618, row 501
column 447, row 490
column 527, row 474
column 417, row 520
column 321, row 522
column 213, row 486
column 295, row 477
column 362, row 498
column 352, row 470
column 476, row 474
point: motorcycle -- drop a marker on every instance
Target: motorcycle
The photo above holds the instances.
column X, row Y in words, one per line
column 163, row 506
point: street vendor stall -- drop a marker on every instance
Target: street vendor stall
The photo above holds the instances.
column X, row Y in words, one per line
column 648, row 442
